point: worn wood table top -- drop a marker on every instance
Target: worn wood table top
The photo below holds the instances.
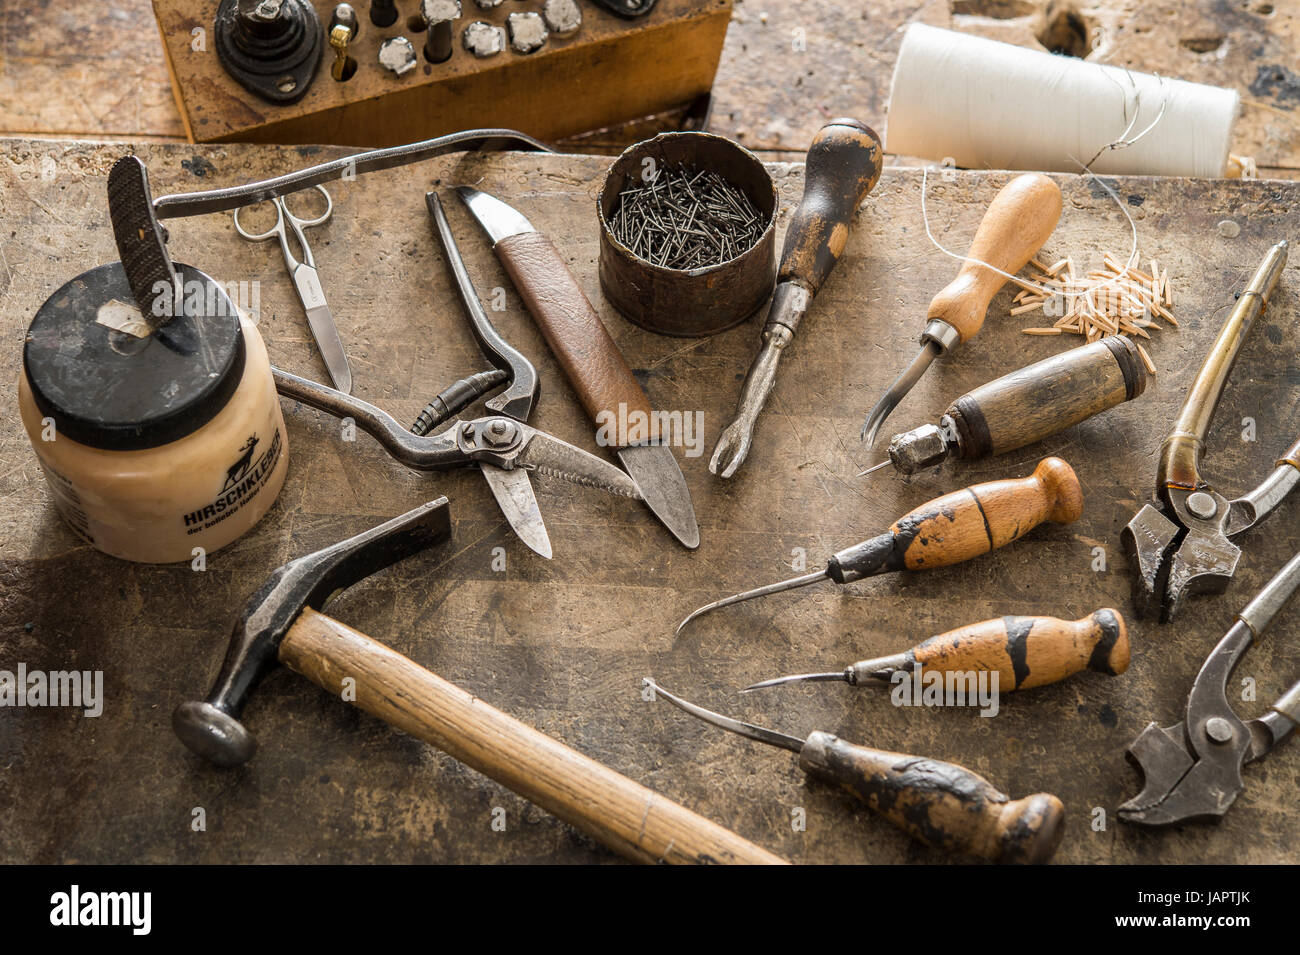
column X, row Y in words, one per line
column 563, row 644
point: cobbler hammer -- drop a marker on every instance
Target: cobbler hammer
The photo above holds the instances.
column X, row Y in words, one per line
column 280, row 624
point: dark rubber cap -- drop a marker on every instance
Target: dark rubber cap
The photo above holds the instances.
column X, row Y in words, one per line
column 112, row 388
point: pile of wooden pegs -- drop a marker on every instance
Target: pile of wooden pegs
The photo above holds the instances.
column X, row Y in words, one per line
column 1117, row 299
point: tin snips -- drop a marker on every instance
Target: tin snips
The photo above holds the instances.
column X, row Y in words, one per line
column 502, row 444
column 1181, row 542
column 1192, row 769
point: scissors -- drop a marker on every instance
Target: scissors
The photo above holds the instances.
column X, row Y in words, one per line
column 307, row 281
column 502, row 444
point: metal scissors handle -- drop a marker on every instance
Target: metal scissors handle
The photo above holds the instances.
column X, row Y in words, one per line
column 297, row 224
column 307, row 282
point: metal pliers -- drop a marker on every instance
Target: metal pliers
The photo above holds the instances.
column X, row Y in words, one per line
column 503, row 445
column 1181, row 541
column 1192, row 769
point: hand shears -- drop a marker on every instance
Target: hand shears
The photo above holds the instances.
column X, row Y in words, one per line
column 307, row 281
column 503, row 445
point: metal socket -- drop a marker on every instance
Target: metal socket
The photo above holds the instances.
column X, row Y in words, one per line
column 696, row 302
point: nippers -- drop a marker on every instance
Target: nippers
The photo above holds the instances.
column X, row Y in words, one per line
column 503, row 446
column 1193, row 769
column 1182, row 540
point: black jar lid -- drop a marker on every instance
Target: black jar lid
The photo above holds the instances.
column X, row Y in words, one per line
column 109, row 388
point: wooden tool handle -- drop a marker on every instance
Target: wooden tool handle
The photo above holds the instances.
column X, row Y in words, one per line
column 629, row 818
column 1047, row 397
column 940, row 804
column 594, row 365
column 966, row 524
column 1018, row 221
column 843, row 165
column 1031, row 651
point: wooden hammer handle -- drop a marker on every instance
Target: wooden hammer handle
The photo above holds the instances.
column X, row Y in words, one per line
column 626, row 816
column 1018, row 221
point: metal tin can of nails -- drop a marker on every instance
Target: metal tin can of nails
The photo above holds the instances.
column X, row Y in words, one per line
column 687, row 234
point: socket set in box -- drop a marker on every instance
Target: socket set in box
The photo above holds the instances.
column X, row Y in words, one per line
column 384, row 72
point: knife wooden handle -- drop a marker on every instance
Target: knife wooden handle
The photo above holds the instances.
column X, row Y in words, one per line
column 594, row 365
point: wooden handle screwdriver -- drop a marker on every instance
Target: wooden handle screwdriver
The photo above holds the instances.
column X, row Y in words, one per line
column 1023, row 651
column 947, row 530
column 940, row 804
column 1018, row 221
column 1025, row 406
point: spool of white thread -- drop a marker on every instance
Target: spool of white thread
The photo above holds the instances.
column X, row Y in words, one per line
column 985, row 104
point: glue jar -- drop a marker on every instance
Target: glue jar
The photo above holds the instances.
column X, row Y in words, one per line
column 154, row 442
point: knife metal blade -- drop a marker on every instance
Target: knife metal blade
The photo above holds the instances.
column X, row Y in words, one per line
column 663, row 488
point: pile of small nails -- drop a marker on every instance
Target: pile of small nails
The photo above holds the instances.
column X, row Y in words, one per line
column 684, row 218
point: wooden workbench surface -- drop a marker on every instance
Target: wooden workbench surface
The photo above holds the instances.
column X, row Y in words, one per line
column 563, row 644
column 787, row 66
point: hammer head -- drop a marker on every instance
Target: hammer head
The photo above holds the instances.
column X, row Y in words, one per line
column 211, row 727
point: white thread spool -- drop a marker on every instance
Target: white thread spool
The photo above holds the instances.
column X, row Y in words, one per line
column 986, row 104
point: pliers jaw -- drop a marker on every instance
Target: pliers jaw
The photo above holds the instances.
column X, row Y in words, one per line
column 1179, row 786
column 1192, row 770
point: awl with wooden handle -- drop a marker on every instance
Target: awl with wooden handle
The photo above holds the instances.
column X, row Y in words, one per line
column 1018, row 221
column 948, row 530
column 940, row 804
column 1025, row 406
column 596, row 368
column 1023, row 651
column 843, row 165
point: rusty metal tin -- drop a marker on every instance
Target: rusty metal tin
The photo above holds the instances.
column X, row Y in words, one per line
column 697, row 302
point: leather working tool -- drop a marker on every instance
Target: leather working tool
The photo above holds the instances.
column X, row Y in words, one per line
column 1023, row 651
column 1192, row 769
column 940, row 804
column 504, row 448
column 1026, row 406
column 842, row 166
column 306, row 280
column 281, row 624
column 1181, row 542
column 142, row 241
column 594, row 365
column 1017, row 223
column 948, row 530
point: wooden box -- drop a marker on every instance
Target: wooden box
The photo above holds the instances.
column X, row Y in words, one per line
column 610, row 71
